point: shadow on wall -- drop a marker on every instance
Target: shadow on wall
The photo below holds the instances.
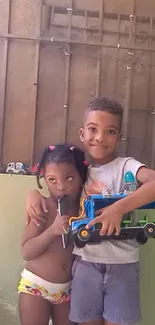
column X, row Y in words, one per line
column 12, row 197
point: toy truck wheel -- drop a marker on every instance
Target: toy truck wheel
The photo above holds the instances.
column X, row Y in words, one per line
column 21, row 172
column 83, row 234
column 79, row 243
column 10, row 171
column 141, row 238
column 149, row 230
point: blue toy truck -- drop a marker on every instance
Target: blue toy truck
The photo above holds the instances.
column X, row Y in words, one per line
column 131, row 227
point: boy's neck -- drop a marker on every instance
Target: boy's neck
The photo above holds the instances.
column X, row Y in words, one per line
column 104, row 161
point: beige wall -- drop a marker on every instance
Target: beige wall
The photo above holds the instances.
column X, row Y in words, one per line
column 12, row 196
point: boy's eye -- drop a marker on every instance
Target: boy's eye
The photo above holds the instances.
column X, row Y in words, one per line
column 92, row 129
column 110, row 132
column 69, row 178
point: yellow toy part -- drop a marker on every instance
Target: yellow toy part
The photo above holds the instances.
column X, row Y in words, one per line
column 82, row 211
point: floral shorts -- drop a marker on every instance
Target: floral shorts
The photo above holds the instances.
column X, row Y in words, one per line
column 34, row 285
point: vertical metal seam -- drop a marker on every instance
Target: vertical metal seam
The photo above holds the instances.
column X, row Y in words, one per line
column 67, row 71
column 36, row 76
column 85, row 29
column 3, row 84
column 148, row 92
column 152, row 162
column 99, row 51
column 153, row 140
column 117, row 56
column 52, row 18
column 129, row 68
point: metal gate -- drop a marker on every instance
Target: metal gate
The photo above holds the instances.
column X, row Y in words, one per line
column 56, row 55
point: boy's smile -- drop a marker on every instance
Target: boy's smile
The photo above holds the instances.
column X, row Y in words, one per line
column 100, row 135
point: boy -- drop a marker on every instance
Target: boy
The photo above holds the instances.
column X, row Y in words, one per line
column 105, row 285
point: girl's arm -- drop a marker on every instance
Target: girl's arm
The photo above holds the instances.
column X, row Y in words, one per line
column 36, row 240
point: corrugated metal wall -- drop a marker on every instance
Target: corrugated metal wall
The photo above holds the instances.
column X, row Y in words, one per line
column 57, row 54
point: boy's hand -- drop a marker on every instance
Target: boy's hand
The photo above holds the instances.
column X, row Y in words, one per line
column 36, row 208
column 110, row 218
column 60, row 225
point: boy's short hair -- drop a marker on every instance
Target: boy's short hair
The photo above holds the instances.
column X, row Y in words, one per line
column 106, row 105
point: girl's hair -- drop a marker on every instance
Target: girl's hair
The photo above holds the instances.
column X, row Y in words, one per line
column 63, row 153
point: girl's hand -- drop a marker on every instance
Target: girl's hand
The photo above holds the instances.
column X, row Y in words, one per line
column 110, row 218
column 60, row 225
column 36, row 208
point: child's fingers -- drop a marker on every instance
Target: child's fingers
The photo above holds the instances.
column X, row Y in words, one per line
column 58, row 214
column 31, row 218
column 43, row 217
column 93, row 222
column 62, row 217
column 117, row 229
column 104, row 228
column 110, row 229
column 37, row 210
column 33, row 213
column 98, row 212
column 44, row 205
column 36, row 221
column 27, row 218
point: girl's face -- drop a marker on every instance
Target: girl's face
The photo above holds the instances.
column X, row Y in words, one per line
column 62, row 179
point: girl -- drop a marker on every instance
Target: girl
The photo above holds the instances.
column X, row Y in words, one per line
column 45, row 284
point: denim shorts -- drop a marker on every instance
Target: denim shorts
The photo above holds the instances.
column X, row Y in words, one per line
column 109, row 291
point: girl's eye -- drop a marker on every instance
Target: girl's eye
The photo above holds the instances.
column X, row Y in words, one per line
column 52, row 180
column 69, row 178
column 110, row 132
column 92, row 129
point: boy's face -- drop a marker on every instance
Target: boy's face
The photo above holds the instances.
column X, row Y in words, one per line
column 100, row 135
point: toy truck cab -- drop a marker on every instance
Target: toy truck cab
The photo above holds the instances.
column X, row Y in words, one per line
column 16, row 168
column 130, row 228
column 90, row 204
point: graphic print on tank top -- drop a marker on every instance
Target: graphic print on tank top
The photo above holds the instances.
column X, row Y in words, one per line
column 96, row 187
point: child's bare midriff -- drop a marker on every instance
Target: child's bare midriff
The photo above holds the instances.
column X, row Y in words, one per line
column 58, row 263
column 55, row 264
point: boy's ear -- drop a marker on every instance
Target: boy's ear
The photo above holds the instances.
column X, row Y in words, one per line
column 119, row 137
column 81, row 134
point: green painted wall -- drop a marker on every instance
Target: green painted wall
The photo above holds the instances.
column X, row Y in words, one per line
column 13, row 190
column 147, row 258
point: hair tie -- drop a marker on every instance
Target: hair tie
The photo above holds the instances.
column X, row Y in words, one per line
column 51, row 148
column 71, row 148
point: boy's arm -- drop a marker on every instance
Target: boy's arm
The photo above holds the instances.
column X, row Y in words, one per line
column 112, row 216
column 36, row 208
column 143, row 195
